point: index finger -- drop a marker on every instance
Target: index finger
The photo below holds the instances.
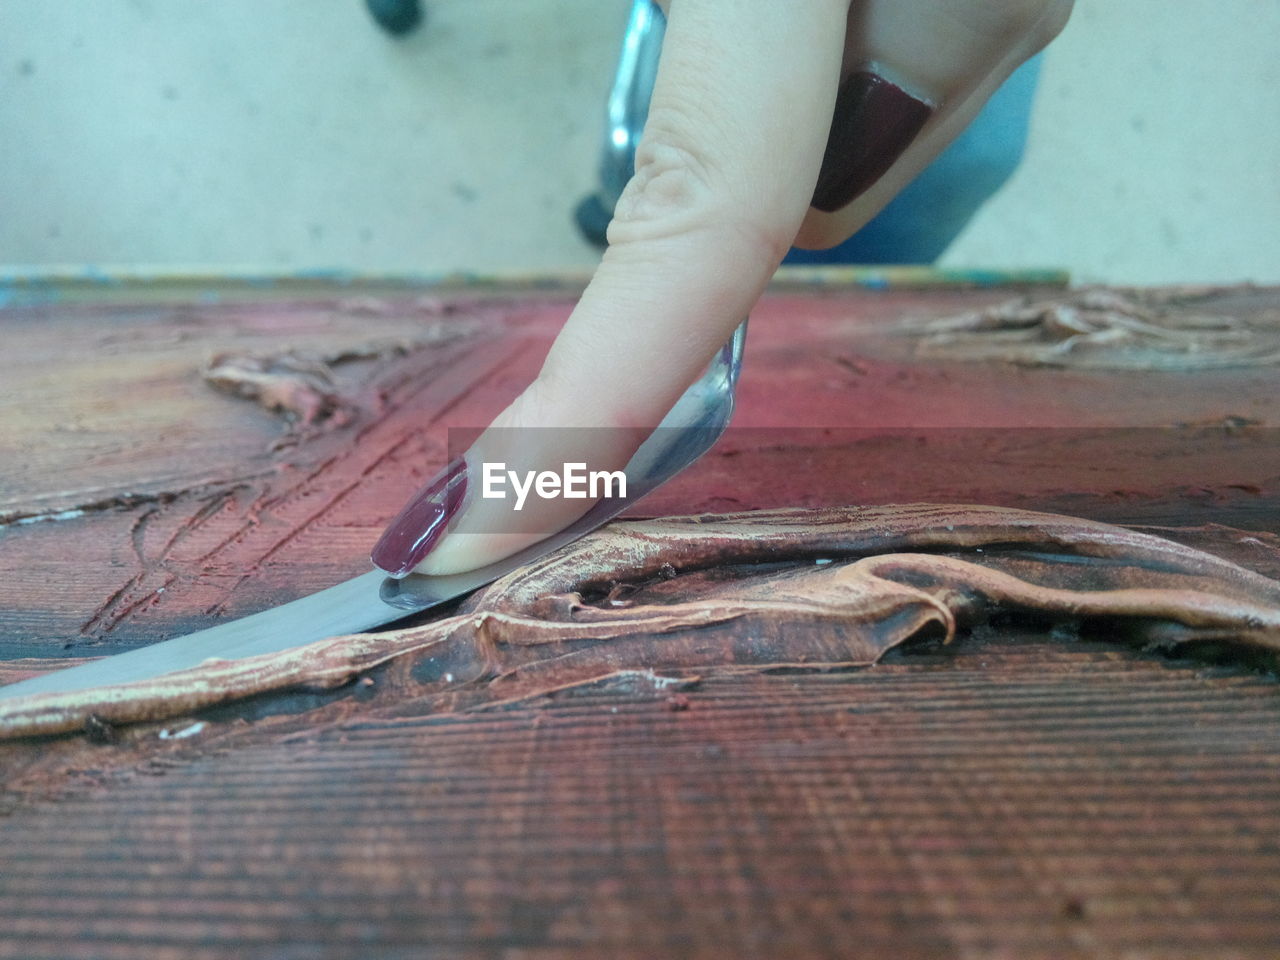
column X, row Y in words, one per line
column 725, row 171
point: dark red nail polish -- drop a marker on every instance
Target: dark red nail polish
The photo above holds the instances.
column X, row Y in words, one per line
column 422, row 522
column 874, row 121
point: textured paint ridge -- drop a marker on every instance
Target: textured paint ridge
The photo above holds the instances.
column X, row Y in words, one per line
column 635, row 596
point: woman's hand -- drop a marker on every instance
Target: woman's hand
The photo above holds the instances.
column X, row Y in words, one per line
column 772, row 122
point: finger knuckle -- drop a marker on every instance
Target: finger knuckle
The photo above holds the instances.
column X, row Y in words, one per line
column 673, row 185
column 679, row 189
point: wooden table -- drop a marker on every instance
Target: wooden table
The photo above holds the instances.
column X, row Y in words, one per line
column 1019, row 793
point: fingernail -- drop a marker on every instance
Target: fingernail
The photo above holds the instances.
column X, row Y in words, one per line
column 874, row 121
column 422, row 522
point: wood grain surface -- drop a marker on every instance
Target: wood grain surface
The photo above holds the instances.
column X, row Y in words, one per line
column 1033, row 789
column 1009, row 797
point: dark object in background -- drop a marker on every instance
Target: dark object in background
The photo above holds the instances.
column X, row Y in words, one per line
column 397, row 17
column 592, row 218
column 626, row 112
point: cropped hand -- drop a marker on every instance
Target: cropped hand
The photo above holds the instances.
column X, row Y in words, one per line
column 772, row 123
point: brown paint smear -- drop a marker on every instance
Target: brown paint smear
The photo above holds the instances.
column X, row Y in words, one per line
column 640, row 596
column 1174, row 329
column 303, row 386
